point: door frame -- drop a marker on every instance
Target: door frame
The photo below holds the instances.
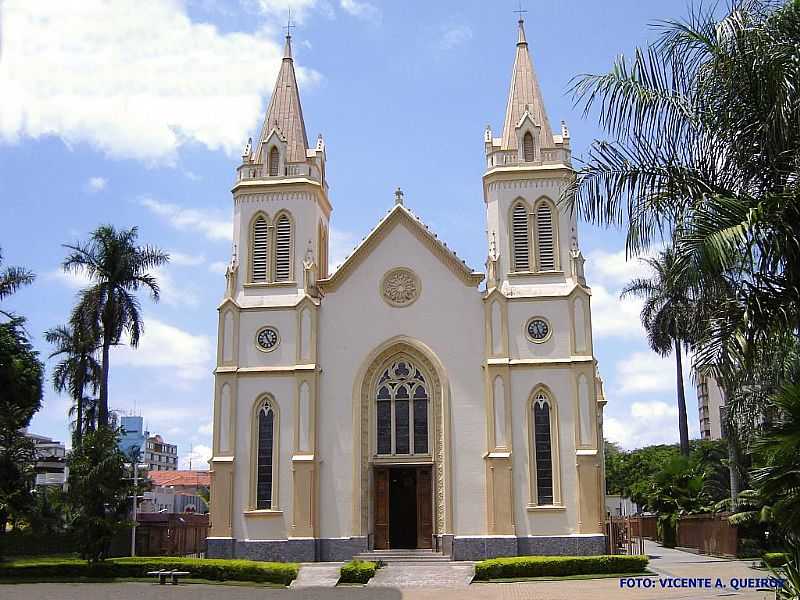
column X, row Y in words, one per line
column 380, row 532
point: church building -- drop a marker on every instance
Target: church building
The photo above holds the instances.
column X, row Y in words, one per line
column 406, row 401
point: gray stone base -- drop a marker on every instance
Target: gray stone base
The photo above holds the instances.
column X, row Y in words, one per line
column 483, row 547
column 291, row 550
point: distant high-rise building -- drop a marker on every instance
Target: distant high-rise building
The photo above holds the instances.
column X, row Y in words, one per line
column 159, row 455
column 711, row 403
column 132, row 440
column 51, row 464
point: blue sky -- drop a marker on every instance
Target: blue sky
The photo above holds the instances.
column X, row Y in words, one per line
column 135, row 113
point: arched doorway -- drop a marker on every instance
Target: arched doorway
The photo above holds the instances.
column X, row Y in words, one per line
column 404, row 469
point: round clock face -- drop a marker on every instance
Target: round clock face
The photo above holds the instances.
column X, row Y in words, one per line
column 267, row 338
column 538, row 329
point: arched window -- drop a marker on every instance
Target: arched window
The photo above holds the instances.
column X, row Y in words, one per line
column 274, row 159
column 545, row 237
column 519, row 238
column 527, row 147
column 265, row 454
column 402, row 406
column 283, row 248
column 542, row 443
column 260, row 250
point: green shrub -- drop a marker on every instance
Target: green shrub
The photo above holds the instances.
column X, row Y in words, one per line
column 358, row 571
column 557, row 566
column 774, row 559
column 212, row 569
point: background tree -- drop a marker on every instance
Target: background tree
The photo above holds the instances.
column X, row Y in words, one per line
column 667, row 316
column 21, row 375
column 99, row 492
column 11, row 279
column 78, row 369
column 118, row 269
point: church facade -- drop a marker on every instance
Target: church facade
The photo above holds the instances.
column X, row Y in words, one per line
column 406, row 400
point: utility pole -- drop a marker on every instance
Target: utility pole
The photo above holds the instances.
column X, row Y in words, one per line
column 135, row 498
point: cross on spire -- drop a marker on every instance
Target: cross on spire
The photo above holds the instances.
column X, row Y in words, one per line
column 289, row 24
column 520, row 11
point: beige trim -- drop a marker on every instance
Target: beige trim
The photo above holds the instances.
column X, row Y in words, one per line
column 493, row 373
column 400, row 215
column 386, row 294
column 262, row 513
column 495, row 296
column 219, row 383
column 222, row 509
column 276, row 429
column 306, row 304
column 545, row 508
column 536, row 362
column 224, row 310
column 534, row 275
column 269, row 284
column 582, row 449
column 555, row 454
column 295, row 184
column 363, row 424
column 279, row 370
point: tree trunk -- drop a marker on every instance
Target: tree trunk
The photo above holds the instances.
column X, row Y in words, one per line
column 683, row 424
column 79, row 402
column 733, row 463
column 102, row 409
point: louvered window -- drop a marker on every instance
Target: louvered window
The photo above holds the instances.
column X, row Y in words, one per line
column 273, row 161
column 542, row 449
column 519, row 238
column 260, row 250
column 283, row 249
column 527, row 147
column 544, row 230
column 266, row 438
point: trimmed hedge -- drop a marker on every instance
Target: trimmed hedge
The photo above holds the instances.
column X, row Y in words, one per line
column 775, row 559
column 358, row 571
column 557, row 566
column 211, row 569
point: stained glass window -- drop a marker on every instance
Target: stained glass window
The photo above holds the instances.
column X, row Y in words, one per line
column 542, row 444
column 402, row 410
column 266, row 433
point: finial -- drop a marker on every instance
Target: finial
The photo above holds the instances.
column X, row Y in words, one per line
column 287, row 49
column 398, row 196
column 521, row 39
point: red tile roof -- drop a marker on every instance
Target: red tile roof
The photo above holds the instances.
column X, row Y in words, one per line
column 187, row 478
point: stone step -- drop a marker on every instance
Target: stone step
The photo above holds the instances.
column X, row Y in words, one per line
column 390, row 556
column 436, row 575
column 317, row 575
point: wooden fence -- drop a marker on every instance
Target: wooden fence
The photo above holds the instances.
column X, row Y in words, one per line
column 708, row 534
column 171, row 534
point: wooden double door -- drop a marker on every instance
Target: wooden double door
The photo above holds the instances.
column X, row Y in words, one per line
column 403, row 507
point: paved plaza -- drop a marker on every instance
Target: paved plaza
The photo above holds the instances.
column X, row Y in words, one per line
column 664, row 562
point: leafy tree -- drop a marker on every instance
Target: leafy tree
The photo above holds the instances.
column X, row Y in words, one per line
column 118, row 269
column 78, row 368
column 11, row 279
column 21, row 375
column 667, row 316
column 98, row 492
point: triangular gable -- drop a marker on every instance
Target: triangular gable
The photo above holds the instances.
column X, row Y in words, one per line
column 400, row 214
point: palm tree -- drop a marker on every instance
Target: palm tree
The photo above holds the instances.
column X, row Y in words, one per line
column 667, row 317
column 78, row 369
column 118, row 268
column 11, row 279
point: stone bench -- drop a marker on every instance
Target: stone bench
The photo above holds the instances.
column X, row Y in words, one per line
column 164, row 574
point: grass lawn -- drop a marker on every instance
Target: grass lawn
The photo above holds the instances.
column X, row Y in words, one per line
column 567, row 577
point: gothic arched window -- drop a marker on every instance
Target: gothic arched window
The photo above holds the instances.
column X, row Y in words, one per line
column 283, row 248
column 402, row 404
column 542, row 443
column 259, row 250
column 528, row 152
column 274, row 160
column 545, row 236
column 265, row 455
column 520, row 236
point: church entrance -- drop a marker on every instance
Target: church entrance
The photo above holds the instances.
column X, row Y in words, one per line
column 403, row 507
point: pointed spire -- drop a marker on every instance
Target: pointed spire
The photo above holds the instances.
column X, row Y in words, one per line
column 285, row 112
column 525, row 96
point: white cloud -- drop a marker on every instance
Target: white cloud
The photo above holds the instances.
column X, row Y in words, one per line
column 96, row 184
column 615, row 317
column 342, row 244
column 197, row 458
column 213, row 226
column 206, row 428
column 646, row 423
column 185, row 260
column 75, row 280
column 613, row 269
column 218, row 266
column 279, row 9
column 455, row 35
column 362, row 10
column 134, row 79
column 166, row 347
column 645, row 372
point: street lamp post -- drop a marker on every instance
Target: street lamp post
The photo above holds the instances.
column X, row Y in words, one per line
column 135, row 498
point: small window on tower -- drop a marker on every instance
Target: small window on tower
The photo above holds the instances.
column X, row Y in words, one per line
column 273, row 161
column 527, row 147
